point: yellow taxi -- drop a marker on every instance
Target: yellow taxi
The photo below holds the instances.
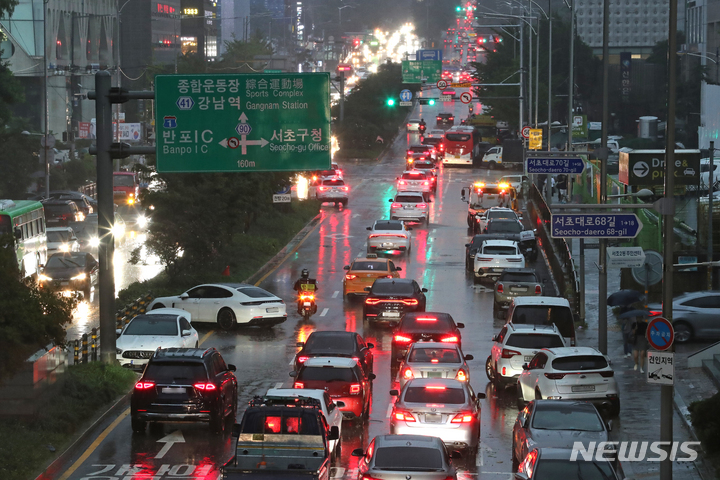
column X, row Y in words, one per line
column 363, row 272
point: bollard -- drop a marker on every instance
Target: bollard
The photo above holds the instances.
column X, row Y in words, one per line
column 76, row 351
column 93, row 345
column 84, row 347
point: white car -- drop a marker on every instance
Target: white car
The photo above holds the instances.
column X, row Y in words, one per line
column 496, row 212
column 515, row 181
column 515, row 346
column 434, row 360
column 61, row 239
column 159, row 328
column 569, row 373
column 386, row 235
column 413, row 125
column 330, row 410
column 409, row 206
column 414, row 181
column 436, row 133
column 333, row 190
column 495, row 256
column 228, row 305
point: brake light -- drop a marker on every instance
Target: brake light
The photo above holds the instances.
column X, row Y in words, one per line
column 355, row 389
column 483, row 259
column 408, row 374
column 208, row 387
column 144, row 385
column 403, row 416
column 410, row 301
column 372, row 301
column 307, row 297
column 451, row 339
column 346, row 188
column 395, row 205
column 435, row 387
column 655, row 313
column 507, row 353
column 402, row 339
column 421, row 205
column 538, row 290
column 500, row 288
column 426, row 319
column 607, row 374
column 463, row 418
column 410, row 152
column 439, row 118
column 401, row 182
column 369, row 477
column 299, row 385
column 461, row 375
column 555, row 376
column 303, row 358
column 426, row 183
column 350, row 277
column 322, row 189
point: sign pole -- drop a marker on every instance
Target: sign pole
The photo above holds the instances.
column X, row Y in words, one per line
column 602, row 263
column 711, row 200
column 342, row 95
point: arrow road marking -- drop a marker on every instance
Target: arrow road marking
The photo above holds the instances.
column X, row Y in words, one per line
column 169, row 441
column 280, row 384
column 389, row 411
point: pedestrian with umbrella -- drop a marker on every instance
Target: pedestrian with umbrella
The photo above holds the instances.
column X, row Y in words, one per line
column 640, row 345
column 629, row 323
column 625, row 299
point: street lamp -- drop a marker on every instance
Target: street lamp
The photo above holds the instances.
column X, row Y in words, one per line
column 645, row 192
column 340, row 14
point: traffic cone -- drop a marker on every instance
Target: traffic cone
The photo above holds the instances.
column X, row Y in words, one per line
column 226, row 272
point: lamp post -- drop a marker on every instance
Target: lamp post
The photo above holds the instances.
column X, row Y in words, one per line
column 340, row 9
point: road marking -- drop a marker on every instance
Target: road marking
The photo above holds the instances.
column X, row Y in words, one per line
column 434, row 230
column 337, row 292
column 389, row 411
column 355, row 215
column 324, row 312
column 479, row 458
column 280, row 384
column 169, row 441
column 94, row 445
column 205, row 337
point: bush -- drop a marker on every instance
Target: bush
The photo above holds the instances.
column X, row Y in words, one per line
column 706, row 421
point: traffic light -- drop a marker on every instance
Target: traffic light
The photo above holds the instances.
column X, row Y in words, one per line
column 458, row 9
column 390, row 102
column 431, row 101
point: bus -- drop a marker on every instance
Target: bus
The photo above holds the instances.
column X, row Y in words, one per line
column 25, row 221
column 462, row 146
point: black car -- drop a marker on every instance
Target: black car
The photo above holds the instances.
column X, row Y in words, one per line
column 437, row 143
column 85, row 203
column 60, row 213
column 70, row 271
column 185, row 385
column 446, row 118
column 424, row 327
column 503, row 225
column 336, row 344
column 390, row 298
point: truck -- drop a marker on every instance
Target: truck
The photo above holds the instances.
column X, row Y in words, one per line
column 281, row 437
column 126, row 188
column 509, row 155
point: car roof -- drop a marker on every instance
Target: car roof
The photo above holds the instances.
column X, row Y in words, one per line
column 335, row 362
column 421, row 441
column 552, row 301
column 332, row 333
column 573, row 351
column 56, row 201
column 228, row 285
column 500, row 243
column 503, row 209
column 444, row 382
column 170, row 311
column 520, row 270
column 405, row 192
column 413, row 172
column 442, row 316
column 294, row 392
column 434, row 345
column 573, row 404
column 394, row 280
column 154, row 316
column 559, row 454
column 370, row 259
column 59, row 229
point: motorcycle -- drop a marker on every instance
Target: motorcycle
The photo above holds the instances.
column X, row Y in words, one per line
column 306, row 303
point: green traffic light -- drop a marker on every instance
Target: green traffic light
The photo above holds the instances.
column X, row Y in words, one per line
column 390, row 102
column 431, row 101
column 457, row 9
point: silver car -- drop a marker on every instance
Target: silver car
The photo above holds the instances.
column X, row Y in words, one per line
column 434, row 360
column 399, row 457
column 409, row 206
column 556, row 424
column 695, row 315
column 444, row 408
column 388, row 235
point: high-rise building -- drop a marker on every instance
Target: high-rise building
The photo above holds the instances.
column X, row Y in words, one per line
column 235, row 21
column 199, row 28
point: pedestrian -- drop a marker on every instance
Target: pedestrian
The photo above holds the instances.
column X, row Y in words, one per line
column 552, row 184
column 562, row 187
column 640, row 343
column 628, row 337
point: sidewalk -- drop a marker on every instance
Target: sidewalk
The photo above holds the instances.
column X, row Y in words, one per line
column 640, row 402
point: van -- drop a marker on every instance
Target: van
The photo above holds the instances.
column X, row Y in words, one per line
column 544, row 311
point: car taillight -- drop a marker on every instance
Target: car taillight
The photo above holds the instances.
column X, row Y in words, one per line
column 555, row 376
column 484, row 259
column 421, row 205
column 403, row 416
column 463, row 418
column 450, row 339
column 426, row 183
column 439, row 118
column 355, row 389
column 607, row 374
column 408, row 374
column 654, row 313
column 410, row 301
column 395, row 205
column 303, row 358
column 401, row 182
column 207, row 387
column 144, row 385
column 372, row 301
column 461, row 375
column 350, row 277
column 346, row 188
column 402, row 339
column 410, row 152
column 506, row 353
column 322, row 189
column 368, row 477
column 299, row 385
column 500, row 288
column 538, row 290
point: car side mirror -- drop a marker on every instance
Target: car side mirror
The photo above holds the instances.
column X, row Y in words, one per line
column 394, row 393
column 184, row 296
column 367, row 289
column 331, row 407
column 372, row 376
column 460, row 325
column 358, row 452
column 494, row 338
column 480, row 396
column 525, row 366
column 18, row 234
column 300, row 344
column 455, row 454
column 236, row 430
column 231, row 367
column 346, row 267
column 340, row 404
column 293, row 374
column 390, row 200
column 370, row 345
column 186, row 333
column 609, row 425
column 118, row 331
column 467, row 245
column 424, row 290
column 368, row 228
column 334, row 433
column 409, row 229
column 398, row 269
column 469, row 357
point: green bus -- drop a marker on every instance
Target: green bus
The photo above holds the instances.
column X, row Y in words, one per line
column 25, row 221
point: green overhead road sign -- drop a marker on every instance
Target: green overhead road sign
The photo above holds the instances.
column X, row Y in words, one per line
column 415, row 71
column 243, row 123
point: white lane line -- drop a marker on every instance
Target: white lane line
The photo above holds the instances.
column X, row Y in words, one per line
column 434, row 230
column 479, row 458
column 279, row 384
column 292, row 362
column 337, row 292
column 389, row 411
column 324, row 312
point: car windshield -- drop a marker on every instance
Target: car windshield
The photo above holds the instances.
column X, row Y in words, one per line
column 333, row 343
column 254, row 292
column 554, row 469
column 432, row 140
column 534, row 340
column 542, row 314
column 393, row 288
column 501, row 214
column 413, row 176
column 410, row 458
column 334, row 182
column 559, row 416
column 327, row 374
column 418, row 149
column 123, row 181
column 182, row 373
column 438, row 394
column 518, row 277
column 424, row 165
column 388, row 226
column 499, row 250
column 365, row 265
column 435, row 355
column 457, row 137
column 66, row 261
column 580, row 362
column 409, row 199
column 504, row 227
column 57, row 209
column 152, row 325
column 57, row 237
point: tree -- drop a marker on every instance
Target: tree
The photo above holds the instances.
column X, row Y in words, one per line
column 30, row 317
column 18, row 160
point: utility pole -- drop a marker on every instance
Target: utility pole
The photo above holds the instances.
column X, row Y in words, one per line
column 521, row 123
column 342, row 95
column 537, row 74
column 550, row 102
column 530, row 76
column 711, row 200
column 571, row 78
column 46, row 143
column 602, row 261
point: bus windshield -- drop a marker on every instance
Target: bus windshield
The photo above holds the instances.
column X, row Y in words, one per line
column 457, row 137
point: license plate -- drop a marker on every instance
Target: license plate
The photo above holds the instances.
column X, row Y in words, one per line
column 272, row 310
column 433, row 418
column 528, row 358
column 64, row 283
column 583, row 388
column 388, row 245
column 518, row 289
column 392, row 314
column 408, row 207
column 307, row 304
column 173, row 390
column 434, row 374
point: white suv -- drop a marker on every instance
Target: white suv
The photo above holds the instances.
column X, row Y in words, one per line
column 570, row 373
column 409, row 206
column 333, row 190
column 495, row 256
column 515, row 346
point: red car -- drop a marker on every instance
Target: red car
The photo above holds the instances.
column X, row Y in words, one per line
column 342, row 378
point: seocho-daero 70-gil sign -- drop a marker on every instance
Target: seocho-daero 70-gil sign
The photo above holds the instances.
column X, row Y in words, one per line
column 243, row 122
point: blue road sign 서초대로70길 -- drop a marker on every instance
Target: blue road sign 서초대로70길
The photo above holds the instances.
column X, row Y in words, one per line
column 595, row 225
column 555, row 165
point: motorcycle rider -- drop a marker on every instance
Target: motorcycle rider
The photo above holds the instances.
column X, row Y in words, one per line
column 305, row 284
column 423, row 125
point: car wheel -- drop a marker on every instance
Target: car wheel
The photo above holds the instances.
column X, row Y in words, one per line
column 226, row 319
column 469, row 221
column 538, row 395
column 476, row 280
column 489, row 371
column 158, row 305
column 138, row 426
column 615, row 408
column 344, row 203
column 491, row 166
column 683, row 332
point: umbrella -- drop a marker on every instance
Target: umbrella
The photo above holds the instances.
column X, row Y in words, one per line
column 624, row 298
column 634, row 314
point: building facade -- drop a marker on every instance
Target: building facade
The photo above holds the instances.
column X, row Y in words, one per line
column 235, row 22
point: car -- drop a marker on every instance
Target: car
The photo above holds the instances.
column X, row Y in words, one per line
column 514, row 282
column 446, row 118
column 492, row 213
column 436, row 133
column 515, row 346
column 389, row 236
column 87, row 231
column 160, row 328
column 424, row 326
column 333, row 190
column 329, row 408
column 556, row 424
column 552, row 463
column 70, row 271
column 390, row 298
column 503, row 225
column 363, row 272
column 518, row 182
column 426, row 150
column 85, row 203
column 430, row 169
column 414, row 181
column 542, row 310
column 445, row 408
column 61, row 239
column 410, row 206
column 434, row 360
column 228, row 305
column 438, row 144
column 185, row 385
column 494, row 257
column 570, row 373
column 694, row 315
column 336, row 344
column 396, row 457
column 450, row 92
column 344, row 380
column 413, row 125
column 411, row 158
column 60, row 213
column 333, row 172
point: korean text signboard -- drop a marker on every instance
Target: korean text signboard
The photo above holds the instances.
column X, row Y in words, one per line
column 594, row 225
column 243, row 123
column 626, row 75
column 418, row 71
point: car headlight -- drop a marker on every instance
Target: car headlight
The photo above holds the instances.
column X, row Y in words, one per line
column 64, row 247
column 131, row 200
column 44, row 278
column 119, row 351
column 142, row 220
column 94, row 241
column 82, row 276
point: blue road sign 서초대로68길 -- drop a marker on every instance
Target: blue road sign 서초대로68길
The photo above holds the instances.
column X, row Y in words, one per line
column 546, row 165
column 595, row 225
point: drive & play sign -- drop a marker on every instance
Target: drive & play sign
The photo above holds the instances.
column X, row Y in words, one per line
column 243, row 123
